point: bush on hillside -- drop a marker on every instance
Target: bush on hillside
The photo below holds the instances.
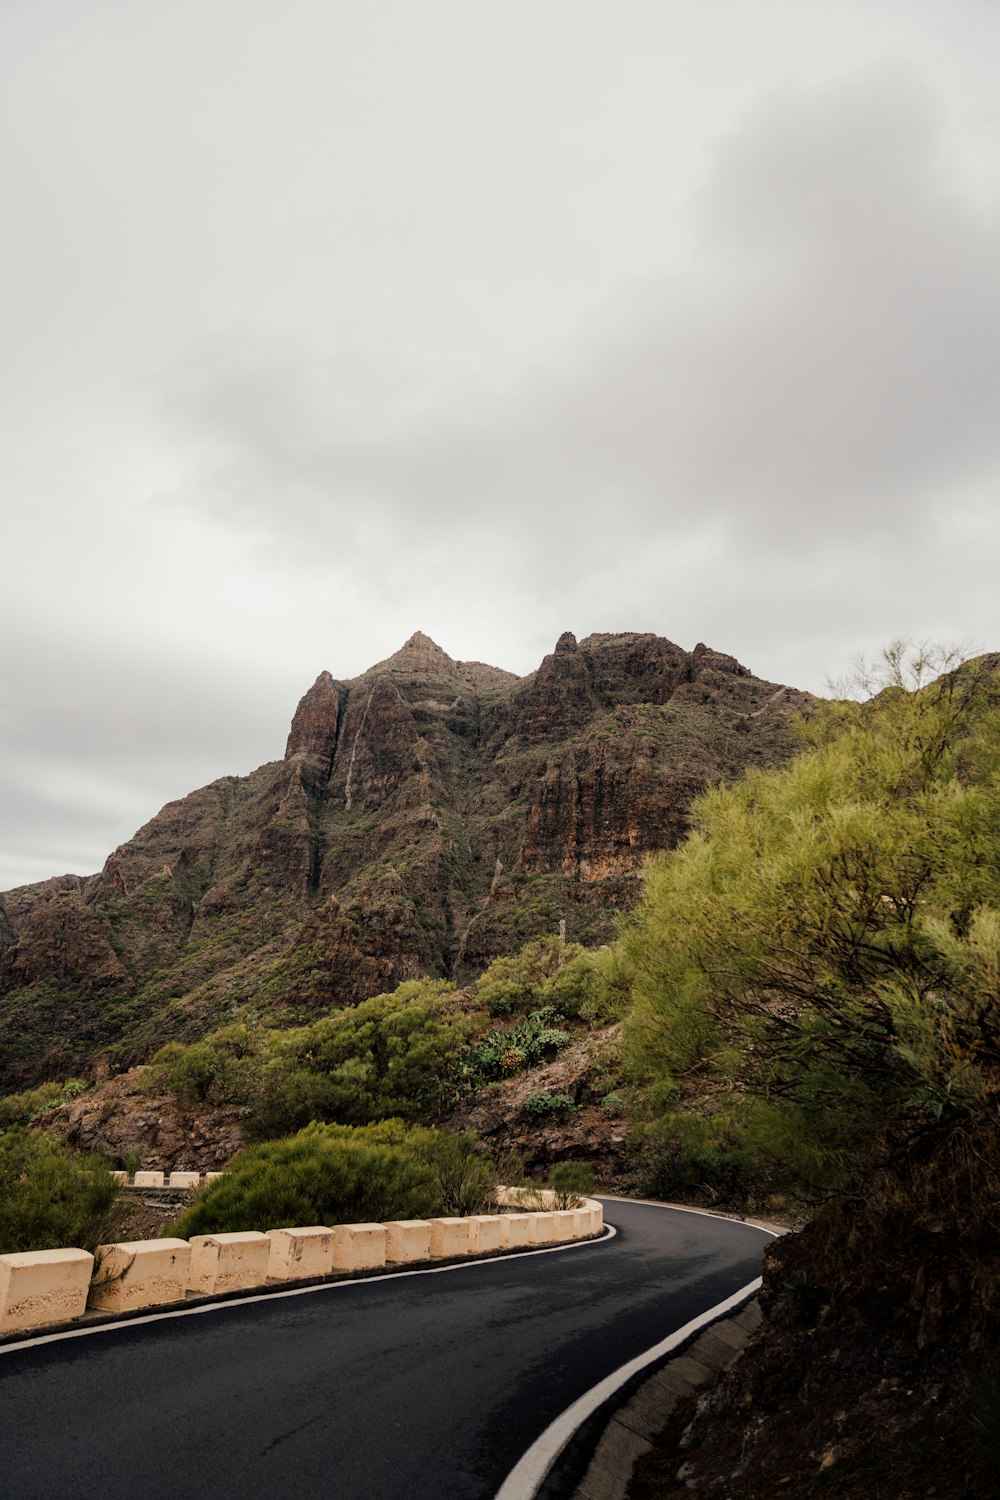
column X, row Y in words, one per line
column 391, row 1056
column 52, row 1199
column 339, row 1174
column 820, row 958
column 575, row 981
column 21, row 1109
column 572, row 1181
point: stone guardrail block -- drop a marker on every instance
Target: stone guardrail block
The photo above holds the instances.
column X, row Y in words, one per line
column 593, row 1216
column 486, row 1233
column 121, row 1177
column 543, row 1228
column 148, row 1179
column 407, row 1240
column 213, row 1176
column 234, row 1262
column 184, row 1179
column 358, row 1247
column 140, row 1273
column 43, row 1286
column 517, row 1230
column 565, row 1224
column 449, row 1237
column 300, row 1252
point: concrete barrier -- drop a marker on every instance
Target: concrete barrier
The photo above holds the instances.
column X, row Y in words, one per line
column 51, row 1286
column 593, row 1216
column 43, row 1286
column 358, row 1247
column 140, row 1273
column 212, row 1176
column 184, row 1179
column 148, row 1179
column 121, row 1178
column 486, row 1233
column 228, row 1262
column 300, row 1252
column 565, row 1225
column 449, row 1237
column 542, row 1228
column 516, row 1230
column 407, row 1240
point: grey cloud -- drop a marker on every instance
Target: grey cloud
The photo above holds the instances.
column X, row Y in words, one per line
column 831, row 357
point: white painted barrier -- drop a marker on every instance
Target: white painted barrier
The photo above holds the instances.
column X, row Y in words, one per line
column 140, row 1273
column 516, row 1230
column 148, row 1179
column 51, row 1286
column 485, row 1233
column 232, row 1262
column 358, row 1247
column 43, row 1286
column 449, row 1237
column 184, row 1179
column 300, row 1252
column 407, row 1240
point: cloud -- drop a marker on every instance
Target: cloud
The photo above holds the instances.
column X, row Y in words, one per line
column 826, row 367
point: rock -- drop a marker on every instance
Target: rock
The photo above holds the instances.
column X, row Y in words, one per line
column 427, row 816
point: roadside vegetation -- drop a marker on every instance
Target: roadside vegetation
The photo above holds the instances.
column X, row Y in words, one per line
column 409, row 1055
column 818, row 965
column 343, row 1174
column 50, row 1197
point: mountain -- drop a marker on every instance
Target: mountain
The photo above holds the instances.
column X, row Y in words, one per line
column 427, row 816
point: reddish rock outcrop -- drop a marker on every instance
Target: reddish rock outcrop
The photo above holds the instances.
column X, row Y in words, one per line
column 427, row 816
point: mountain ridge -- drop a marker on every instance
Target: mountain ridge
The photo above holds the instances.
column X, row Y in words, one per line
column 427, row 815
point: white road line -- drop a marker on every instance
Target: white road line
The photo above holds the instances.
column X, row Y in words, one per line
column 296, row 1291
column 529, row 1473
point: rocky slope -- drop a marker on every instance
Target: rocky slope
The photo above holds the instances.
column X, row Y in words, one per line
column 122, row 1120
column 426, row 817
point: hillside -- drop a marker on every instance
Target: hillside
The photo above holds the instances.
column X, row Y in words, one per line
column 427, row 816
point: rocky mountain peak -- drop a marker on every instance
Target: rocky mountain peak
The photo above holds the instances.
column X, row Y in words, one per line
column 418, row 657
column 314, row 726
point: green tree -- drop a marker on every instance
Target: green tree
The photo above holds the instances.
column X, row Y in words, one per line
column 825, row 949
column 51, row 1199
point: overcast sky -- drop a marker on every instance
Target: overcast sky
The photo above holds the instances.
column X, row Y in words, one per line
column 324, row 321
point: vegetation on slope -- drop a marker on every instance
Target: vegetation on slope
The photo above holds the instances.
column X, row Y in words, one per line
column 343, row 1174
column 818, row 975
column 49, row 1197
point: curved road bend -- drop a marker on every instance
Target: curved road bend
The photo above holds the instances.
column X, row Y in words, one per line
column 419, row 1387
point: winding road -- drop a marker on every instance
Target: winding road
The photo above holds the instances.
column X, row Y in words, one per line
column 417, row 1386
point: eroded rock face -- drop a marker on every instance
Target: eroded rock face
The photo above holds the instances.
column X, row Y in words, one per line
column 427, row 816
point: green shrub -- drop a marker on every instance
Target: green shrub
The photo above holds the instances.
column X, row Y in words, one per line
column 21, row 1109
column 572, row 1181
column 502, row 1051
column 514, row 983
column 342, row 1174
column 50, row 1198
column 543, row 1103
column 220, row 1069
column 685, row 1156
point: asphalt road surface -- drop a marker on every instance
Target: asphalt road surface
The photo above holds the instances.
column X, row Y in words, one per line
column 417, row 1387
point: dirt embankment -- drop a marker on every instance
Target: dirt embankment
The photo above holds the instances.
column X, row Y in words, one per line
column 875, row 1373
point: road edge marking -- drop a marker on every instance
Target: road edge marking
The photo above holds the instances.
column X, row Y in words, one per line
column 531, row 1470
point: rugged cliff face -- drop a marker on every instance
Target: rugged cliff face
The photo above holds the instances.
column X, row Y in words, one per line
column 426, row 817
